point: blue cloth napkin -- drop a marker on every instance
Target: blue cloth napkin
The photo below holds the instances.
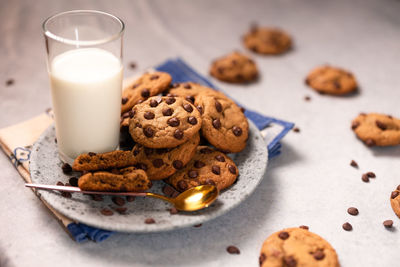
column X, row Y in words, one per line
column 181, row 72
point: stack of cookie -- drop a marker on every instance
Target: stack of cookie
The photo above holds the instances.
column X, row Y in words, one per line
column 166, row 132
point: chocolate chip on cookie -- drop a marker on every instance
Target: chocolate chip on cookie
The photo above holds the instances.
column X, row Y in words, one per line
column 224, row 125
column 161, row 163
column 204, row 168
column 121, row 180
column 235, row 68
column 395, row 201
column 297, row 247
column 169, row 125
column 372, row 133
column 149, row 84
column 331, row 80
column 266, row 40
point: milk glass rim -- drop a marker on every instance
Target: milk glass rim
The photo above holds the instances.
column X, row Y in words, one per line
column 79, row 43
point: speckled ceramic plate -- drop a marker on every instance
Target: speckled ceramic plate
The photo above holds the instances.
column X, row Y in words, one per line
column 45, row 168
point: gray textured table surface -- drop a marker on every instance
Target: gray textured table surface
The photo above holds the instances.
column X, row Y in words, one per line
column 310, row 183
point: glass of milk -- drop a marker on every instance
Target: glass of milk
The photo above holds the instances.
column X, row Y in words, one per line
column 84, row 54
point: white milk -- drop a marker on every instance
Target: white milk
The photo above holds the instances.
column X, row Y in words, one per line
column 86, row 87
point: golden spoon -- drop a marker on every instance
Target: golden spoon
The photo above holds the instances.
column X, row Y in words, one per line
column 195, row 198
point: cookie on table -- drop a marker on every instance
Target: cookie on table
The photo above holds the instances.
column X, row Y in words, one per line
column 164, row 122
column 102, row 161
column 377, row 129
column 224, row 124
column 297, row 247
column 266, row 40
column 149, row 84
column 190, row 91
column 207, row 167
column 163, row 162
column 331, row 80
column 234, row 68
column 395, row 201
column 123, row 180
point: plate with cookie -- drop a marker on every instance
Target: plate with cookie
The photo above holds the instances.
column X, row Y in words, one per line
column 173, row 138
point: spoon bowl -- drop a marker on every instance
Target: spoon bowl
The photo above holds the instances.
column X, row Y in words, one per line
column 196, row 198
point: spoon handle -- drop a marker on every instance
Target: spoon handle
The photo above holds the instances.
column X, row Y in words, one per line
column 78, row 190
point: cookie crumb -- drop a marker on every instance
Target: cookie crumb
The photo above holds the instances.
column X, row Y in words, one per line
column 149, row 221
column 347, row 226
column 233, row 250
column 388, row 223
column 354, row 164
column 352, row 211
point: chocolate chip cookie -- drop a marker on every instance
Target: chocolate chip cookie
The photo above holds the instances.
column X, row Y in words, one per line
column 164, row 122
column 224, row 124
column 208, row 166
column 297, row 247
column 149, row 84
column 395, row 201
column 163, row 162
column 265, row 40
column 102, row 161
column 121, row 180
column 234, row 68
column 377, row 129
column 190, row 91
column 331, row 80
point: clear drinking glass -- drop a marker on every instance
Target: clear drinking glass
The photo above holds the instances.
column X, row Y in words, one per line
column 84, row 55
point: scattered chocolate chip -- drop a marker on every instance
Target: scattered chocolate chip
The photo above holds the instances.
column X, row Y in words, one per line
column 216, row 169
column 148, row 132
column 193, row 174
column 365, row 178
column 60, row 183
column 145, row 93
column 233, row 250
column 192, row 120
column 283, row 235
column 121, row 210
column 130, row 198
column 218, row 106
column 153, row 103
column 388, row 223
column 167, row 111
column 290, row 261
column 220, row 158
column 216, row 123
column 178, row 134
column 381, row 125
column 73, row 181
column 173, row 211
column 371, row 174
column 10, row 82
column 307, row 98
column 305, row 227
column 347, row 226
column 170, row 100
column 187, row 86
column 354, row 125
column 354, row 164
column 154, row 77
column 199, row 164
column 296, row 129
column 107, row 212
column 66, row 194
column 66, row 168
column 149, row 115
column 232, row 169
column 124, row 100
column 188, row 107
column 157, row 163
column 118, row 200
column 369, row 142
column 197, row 225
column 173, row 122
column 177, row 164
column 262, row 258
column 352, row 211
column 319, row 255
column 237, row 131
column 96, row 197
column 132, row 65
column 149, row 221
column 394, row 194
column 182, row 185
